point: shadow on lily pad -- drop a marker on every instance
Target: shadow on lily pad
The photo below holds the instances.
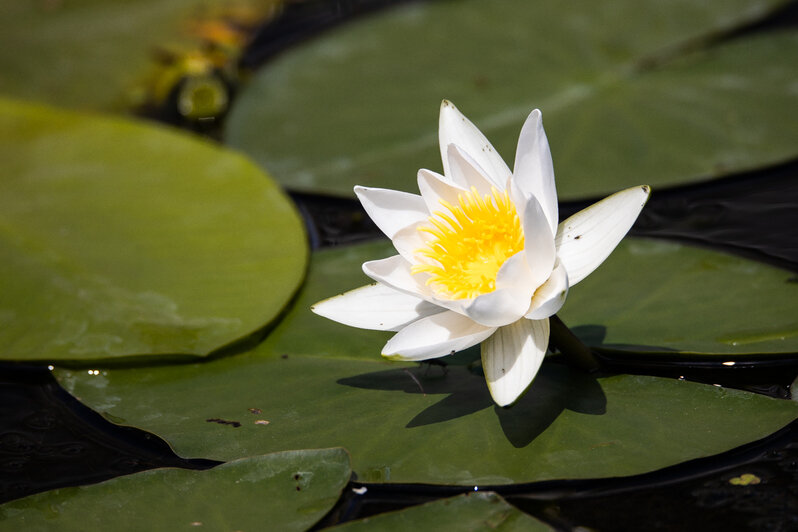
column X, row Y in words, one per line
column 594, row 336
column 555, row 388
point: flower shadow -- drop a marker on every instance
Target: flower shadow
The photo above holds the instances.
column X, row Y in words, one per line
column 465, row 391
column 595, row 336
column 555, row 388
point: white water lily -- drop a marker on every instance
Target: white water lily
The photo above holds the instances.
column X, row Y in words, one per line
column 481, row 257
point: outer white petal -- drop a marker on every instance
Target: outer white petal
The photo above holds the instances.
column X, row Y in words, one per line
column 588, row 237
column 375, row 306
column 454, row 128
column 409, row 240
column 435, row 336
column 466, row 172
column 549, row 298
column 539, row 247
column 391, row 210
column 533, row 172
column 395, row 272
column 512, row 356
column 435, row 187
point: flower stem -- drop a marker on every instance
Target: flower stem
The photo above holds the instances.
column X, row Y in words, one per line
column 578, row 354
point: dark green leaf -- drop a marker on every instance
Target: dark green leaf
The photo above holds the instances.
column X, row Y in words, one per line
column 475, row 511
column 629, row 96
column 282, row 491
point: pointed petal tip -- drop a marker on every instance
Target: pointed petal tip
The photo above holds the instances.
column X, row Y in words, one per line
column 645, row 189
column 504, row 402
column 505, row 398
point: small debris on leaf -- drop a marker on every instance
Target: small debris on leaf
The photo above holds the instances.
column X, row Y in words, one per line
column 220, row 421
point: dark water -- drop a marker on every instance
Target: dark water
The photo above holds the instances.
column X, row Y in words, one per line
column 48, row 439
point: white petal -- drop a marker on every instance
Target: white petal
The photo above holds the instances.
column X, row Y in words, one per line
column 539, row 247
column 409, row 240
column 512, row 356
column 588, row 237
column 375, row 306
column 454, row 128
column 391, row 210
column 435, row 336
column 467, row 173
column 435, row 187
column 533, row 173
column 514, row 274
column 549, row 298
column 395, row 272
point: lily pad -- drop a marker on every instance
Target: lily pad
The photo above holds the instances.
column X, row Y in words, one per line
column 648, row 296
column 90, row 54
column 405, row 423
column 659, row 296
column 282, row 491
column 119, row 239
column 427, row 424
column 474, row 511
column 631, row 93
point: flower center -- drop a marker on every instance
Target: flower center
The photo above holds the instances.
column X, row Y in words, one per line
column 469, row 244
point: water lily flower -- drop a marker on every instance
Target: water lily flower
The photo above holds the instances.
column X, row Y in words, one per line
column 481, row 256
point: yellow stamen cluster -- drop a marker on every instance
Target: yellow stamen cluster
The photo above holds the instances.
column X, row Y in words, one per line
column 469, row 244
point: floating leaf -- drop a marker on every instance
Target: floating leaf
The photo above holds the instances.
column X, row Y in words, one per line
column 655, row 296
column 429, row 424
column 423, row 424
column 282, row 491
column 474, row 511
column 648, row 296
column 120, row 239
column 627, row 93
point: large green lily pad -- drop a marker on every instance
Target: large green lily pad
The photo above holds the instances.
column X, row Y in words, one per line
column 474, row 511
column 91, row 53
column 406, row 423
column 659, row 296
column 648, row 296
column 120, row 239
column 631, row 92
column 281, row 491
